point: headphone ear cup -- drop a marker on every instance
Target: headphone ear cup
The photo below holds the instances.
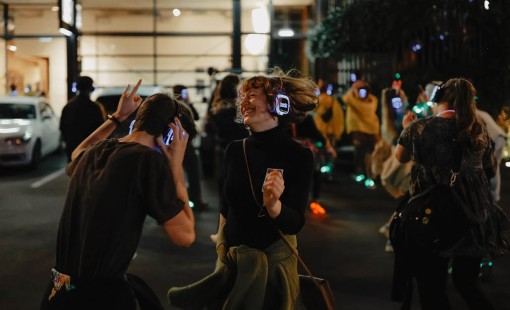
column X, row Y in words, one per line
column 438, row 94
column 281, row 105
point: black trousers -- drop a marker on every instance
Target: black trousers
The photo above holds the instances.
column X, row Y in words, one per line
column 431, row 274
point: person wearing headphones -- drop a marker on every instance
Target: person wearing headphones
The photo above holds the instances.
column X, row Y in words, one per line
column 267, row 181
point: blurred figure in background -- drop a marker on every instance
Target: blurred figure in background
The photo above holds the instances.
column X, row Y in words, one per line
column 191, row 163
column 224, row 121
column 14, row 90
column 306, row 133
column 329, row 119
column 80, row 116
column 498, row 137
column 362, row 123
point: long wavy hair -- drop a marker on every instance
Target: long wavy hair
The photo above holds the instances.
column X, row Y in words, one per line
column 460, row 94
column 301, row 90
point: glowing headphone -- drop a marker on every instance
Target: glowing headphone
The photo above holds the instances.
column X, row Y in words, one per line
column 437, row 93
column 281, row 104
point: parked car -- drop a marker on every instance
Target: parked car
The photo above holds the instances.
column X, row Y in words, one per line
column 29, row 130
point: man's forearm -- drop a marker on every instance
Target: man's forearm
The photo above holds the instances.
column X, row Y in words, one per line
column 182, row 191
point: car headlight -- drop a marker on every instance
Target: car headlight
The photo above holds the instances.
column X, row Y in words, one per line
column 18, row 140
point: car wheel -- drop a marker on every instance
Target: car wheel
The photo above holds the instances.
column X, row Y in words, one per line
column 36, row 155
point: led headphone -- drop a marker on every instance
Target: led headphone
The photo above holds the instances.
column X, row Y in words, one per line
column 281, row 104
column 437, row 93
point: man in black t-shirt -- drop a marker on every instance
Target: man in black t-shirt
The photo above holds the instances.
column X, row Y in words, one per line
column 114, row 185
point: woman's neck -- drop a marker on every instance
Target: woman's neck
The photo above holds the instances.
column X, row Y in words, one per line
column 263, row 126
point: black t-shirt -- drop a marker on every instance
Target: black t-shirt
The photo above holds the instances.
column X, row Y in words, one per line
column 113, row 186
column 269, row 149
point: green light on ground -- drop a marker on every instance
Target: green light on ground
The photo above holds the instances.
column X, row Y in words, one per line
column 325, row 169
column 359, row 177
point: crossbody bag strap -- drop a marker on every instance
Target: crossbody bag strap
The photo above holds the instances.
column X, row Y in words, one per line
column 285, row 240
column 457, row 161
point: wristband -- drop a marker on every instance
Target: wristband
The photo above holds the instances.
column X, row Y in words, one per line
column 114, row 119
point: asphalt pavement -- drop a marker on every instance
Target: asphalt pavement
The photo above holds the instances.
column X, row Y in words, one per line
column 343, row 246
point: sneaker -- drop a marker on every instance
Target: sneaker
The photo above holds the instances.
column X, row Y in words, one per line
column 359, row 177
column 388, row 248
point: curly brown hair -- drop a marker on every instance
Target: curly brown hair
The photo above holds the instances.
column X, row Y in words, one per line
column 301, row 90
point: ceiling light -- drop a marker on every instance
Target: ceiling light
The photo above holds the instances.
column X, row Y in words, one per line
column 176, row 12
column 286, row 32
column 12, row 48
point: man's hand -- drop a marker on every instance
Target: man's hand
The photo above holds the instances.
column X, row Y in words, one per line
column 129, row 102
column 175, row 151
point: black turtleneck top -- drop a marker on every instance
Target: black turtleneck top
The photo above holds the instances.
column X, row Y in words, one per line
column 273, row 148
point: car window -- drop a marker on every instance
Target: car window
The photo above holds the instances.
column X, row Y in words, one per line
column 45, row 109
column 17, row 110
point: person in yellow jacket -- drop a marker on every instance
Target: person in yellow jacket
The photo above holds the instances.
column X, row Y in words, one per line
column 329, row 120
column 362, row 124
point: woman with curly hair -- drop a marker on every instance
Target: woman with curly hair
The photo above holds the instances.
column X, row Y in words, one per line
column 267, row 180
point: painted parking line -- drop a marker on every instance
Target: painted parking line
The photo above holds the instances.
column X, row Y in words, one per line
column 47, row 178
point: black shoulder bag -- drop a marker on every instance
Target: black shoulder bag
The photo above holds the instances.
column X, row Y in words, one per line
column 435, row 219
column 314, row 292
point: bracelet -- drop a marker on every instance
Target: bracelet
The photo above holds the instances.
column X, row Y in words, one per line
column 114, row 119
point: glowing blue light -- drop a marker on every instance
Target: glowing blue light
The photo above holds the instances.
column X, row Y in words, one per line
column 191, row 204
column 416, row 47
column 441, row 37
column 354, row 78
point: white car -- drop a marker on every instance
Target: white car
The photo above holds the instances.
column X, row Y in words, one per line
column 29, row 130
